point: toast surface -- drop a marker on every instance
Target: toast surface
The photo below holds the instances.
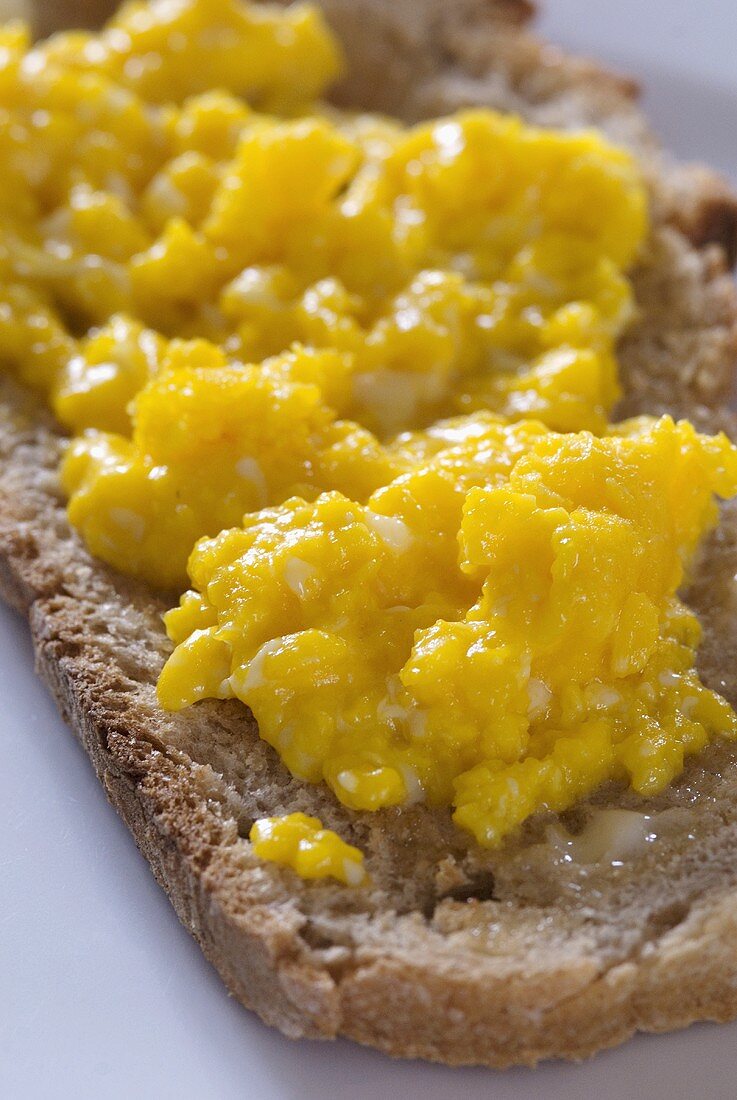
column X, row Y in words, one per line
column 496, row 958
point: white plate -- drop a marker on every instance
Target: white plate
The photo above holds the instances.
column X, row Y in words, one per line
column 102, row 993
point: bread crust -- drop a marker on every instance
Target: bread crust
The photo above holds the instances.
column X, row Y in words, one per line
column 531, row 965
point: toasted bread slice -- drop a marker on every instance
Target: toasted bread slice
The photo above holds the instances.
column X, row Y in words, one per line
column 455, row 954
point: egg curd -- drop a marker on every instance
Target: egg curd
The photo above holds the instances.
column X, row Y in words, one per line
column 300, row 842
column 497, row 629
column 360, row 376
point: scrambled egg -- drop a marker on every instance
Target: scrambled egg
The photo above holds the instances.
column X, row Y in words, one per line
column 300, row 842
column 211, row 441
column 392, row 350
column 496, row 629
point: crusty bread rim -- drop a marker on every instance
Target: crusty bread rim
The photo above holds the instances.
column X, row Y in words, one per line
column 399, row 983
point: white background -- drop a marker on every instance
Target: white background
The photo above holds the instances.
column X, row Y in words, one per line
column 102, row 993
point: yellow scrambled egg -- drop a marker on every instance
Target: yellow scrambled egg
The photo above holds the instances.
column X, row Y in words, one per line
column 392, row 350
column 497, row 629
column 300, row 842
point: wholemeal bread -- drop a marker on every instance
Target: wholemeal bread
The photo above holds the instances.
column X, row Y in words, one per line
column 454, row 953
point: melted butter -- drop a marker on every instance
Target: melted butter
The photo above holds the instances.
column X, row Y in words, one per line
column 610, row 836
column 613, row 836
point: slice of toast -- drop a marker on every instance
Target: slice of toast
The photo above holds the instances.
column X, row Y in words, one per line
column 455, row 954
